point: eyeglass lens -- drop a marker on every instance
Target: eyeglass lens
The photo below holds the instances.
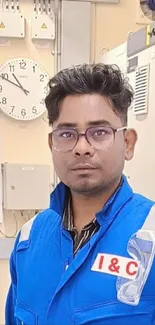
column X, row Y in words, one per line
column 99, row 137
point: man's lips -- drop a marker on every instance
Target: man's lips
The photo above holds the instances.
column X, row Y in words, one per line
column 83, row 167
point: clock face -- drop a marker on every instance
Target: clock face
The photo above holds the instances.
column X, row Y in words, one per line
column 23, row 88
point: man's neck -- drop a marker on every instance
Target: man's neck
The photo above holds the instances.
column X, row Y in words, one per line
column 85, row 207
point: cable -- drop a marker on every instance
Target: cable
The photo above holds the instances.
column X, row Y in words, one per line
column 15, row 234
column 35, row 6
column 44, row 7
column 17, row 6
column 49, row 7
column 12, row 6
column 22, row 215
column 29, row 215
column 40, row 7
column 7, row 5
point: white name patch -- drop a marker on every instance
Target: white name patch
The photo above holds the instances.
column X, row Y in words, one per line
column 116, row 265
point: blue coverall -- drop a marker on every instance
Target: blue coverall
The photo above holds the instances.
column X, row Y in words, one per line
column 51, row 286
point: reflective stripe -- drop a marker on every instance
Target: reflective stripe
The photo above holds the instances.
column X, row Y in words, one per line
column 141, row 246
column 149, row 223
column 26, row 229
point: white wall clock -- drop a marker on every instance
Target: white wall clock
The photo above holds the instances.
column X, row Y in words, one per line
column 23, row 88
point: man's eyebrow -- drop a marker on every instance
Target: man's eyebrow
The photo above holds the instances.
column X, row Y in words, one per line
column 89, row 123
column 67, row 125
column 99, row 122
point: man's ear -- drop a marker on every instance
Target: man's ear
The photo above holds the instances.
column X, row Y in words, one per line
column 130, row 141
column 50, row 142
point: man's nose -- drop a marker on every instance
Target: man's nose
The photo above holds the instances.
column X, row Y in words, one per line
column 83, row 147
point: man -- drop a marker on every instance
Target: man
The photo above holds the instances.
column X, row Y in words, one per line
column 83, row 261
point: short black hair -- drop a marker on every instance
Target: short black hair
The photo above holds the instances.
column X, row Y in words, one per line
column 105, row 80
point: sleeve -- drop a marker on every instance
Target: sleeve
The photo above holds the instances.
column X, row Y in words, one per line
column 12, row 293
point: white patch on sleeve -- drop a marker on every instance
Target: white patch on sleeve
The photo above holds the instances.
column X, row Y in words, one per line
column 26, row 229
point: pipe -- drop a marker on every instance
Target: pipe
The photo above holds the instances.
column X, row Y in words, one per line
column 57, row 50
column 93, row 31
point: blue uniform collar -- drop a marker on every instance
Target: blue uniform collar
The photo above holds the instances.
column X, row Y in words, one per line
column 116, row 201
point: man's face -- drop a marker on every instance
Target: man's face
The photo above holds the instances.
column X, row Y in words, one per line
column 81, row 112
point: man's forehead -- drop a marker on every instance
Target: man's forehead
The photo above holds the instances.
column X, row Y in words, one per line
column 86, row 110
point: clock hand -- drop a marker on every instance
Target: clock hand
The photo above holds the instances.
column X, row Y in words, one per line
column 11, row 82
column 24, row 90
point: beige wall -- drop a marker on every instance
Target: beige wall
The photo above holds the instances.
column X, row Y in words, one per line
column 22, row 142
column 113, row 23
column 27, row 142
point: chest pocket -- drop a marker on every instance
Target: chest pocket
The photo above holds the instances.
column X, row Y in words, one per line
column 24, row 315
column 116, row 313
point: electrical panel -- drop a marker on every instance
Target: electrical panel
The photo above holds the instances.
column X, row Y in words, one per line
column 136, row 58
column 25, row 187
column 12, row 24
column 117, row 56
column 43, row 27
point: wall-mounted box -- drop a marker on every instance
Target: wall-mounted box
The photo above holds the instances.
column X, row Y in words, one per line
column 43, row 27
column 25, row 187
column 12, row 25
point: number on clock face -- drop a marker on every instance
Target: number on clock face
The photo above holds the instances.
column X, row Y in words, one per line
column 23, row 88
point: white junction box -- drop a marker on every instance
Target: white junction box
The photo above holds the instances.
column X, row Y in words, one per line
column 25, row 187
column 12, row 25
column 118, row 56
column 43, row 27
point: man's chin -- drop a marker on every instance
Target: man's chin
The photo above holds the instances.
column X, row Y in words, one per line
column 86, row 187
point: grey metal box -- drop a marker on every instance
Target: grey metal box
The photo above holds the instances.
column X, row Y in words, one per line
column 76, row 33
column 25, row 187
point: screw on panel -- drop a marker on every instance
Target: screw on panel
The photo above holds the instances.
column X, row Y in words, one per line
column 152, row 33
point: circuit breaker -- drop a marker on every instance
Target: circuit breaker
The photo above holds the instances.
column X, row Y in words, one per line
column 25, row 187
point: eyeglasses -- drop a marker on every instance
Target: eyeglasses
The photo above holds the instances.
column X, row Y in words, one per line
column 99, row 137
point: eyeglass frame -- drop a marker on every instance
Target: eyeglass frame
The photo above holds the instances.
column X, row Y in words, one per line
column 84, row 134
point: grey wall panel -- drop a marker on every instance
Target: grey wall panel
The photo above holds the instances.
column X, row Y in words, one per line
column 76, row 33
column 6, row 247
column 152, row 40
column 136, row 42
